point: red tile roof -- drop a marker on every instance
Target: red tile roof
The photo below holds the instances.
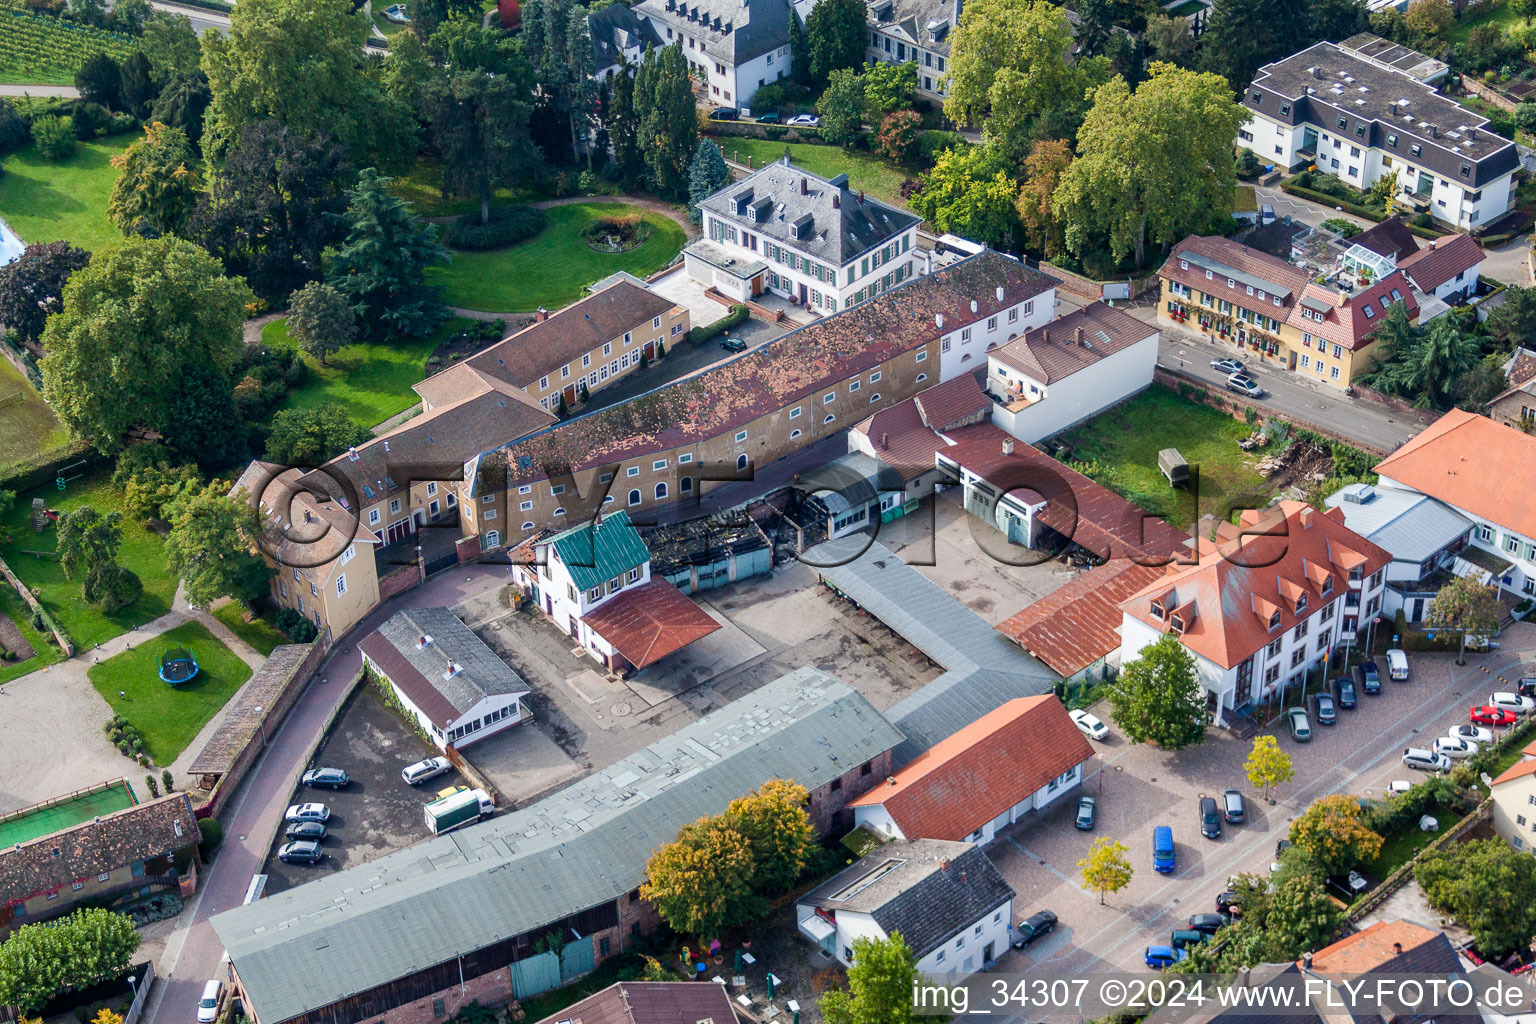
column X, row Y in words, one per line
column 1517, row 770
column 954, row 401
column 1372, row 948
column 957, row 786
column 1057, row 350
column 1289, row 279
column 1441, row 260
column 650, row 1002
column 1473, row 463
column 1346, row 322
column 1230, row 595
column 648, row 623
column 1078, row 624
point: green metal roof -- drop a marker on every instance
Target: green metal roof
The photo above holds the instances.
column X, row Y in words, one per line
column 597, row 551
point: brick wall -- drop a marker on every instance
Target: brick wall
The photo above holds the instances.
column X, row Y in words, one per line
column 399, row 581
column 494, row 989
column 827, row 803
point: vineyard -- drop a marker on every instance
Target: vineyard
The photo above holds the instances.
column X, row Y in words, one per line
column 39, row 49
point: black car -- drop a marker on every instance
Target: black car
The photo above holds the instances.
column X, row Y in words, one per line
column 1344, row 689
column 1032, row 927
column 1210, row 818
column 303, row 851
column 1225, row 901
column 769, row 119
column 724, row 114
column 327, row 778
column 1322, row 704
column 1208, row 923
column 734, row 345
column 305, row 830
column 1368, row 676
column 1085, row 811
column 1526, row 687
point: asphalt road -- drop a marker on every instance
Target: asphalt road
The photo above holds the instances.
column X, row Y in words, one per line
column 201, row 20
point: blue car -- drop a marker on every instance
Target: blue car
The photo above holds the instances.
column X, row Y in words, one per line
column 1163, row 860
column 1163, row 957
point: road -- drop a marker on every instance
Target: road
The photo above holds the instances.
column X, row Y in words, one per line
column 201, row 20
column 65, row 91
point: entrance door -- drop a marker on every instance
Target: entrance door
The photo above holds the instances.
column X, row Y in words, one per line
column 650, row 350
column 803, row 295
column 570, row 395
column 986, row 953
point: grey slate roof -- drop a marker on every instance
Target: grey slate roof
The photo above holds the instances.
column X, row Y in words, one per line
column 842, row 226
column 850, row 481
column 985, row 668
column 921, row 897
column 481, row 673
column 928, row 23
column 615, row 28
column 582, row 847
column 733, row 32
column 1410, row 525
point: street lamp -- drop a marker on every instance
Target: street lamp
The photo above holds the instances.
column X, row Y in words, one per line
column 262, row 722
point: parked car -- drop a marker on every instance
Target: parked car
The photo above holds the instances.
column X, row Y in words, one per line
column 1163, row 857
column 1323, row 707
column 1482, row 643
column 325, row 778
column 1526, row 686
column 1225, row 901
column 307, row 812
column 1210, row 818
column 733, row 345
column 1233, row 807
column 303, row 851
column 769, row 118
column 1472, row 733
column 421, row 771
column 1244, row 385
column 208, row 1005
column 1032, row 927
column 1085, row 811
column 1487, row 714
column 1208, row 923
column 1397, row 665
column 1368, row 677
column 1344, row 689
column 724, row 114
column 1229, row 366
column 1089, row 725
column 1280, row 848
column 1397, row 787
column 1162, row 957
column 1183, row 938
column 1425, row 760
column 1301, row 729
column 805, row 121
column 1454, row 747
column 312, row 830
column 1512, row 702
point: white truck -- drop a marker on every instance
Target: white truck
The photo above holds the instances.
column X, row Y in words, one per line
column 460, row 808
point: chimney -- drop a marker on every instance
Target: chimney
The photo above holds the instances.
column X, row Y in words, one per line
column 837, row 200
column 890, row 780
column 1305, row 517
column 541, row 315
column 861, row 197
column 962, row 876
column 805, row 186
column 944, row 864
column 1397, row 947
column 307, row 517
column 1434, row 131
column 1306, row 960
column 1432, row 242
column 1045, row 335
column 1007, row 446
column 885, row 439
column 1077, row 337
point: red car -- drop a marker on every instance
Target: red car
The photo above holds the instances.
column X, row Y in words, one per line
column 1487, row 714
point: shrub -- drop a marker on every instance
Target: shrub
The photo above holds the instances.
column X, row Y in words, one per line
column 54, row 136
column 735, row 318
column 299, row 629
column 933, row 144
column 90, row 120
column 13, row 128
column 212, row 833
column 508, row 226
column 152, row 784
column 1340, row 226
column 166, row 779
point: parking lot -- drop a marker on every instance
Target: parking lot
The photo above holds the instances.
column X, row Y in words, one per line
column 1139, row 787
column 376, row 813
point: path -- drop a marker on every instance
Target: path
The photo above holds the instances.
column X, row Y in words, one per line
column 251, row 329
column 64, row 91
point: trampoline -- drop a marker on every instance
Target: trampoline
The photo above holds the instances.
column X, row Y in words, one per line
column 178, row 665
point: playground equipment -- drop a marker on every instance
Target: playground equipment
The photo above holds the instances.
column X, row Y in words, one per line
column 178, row 665
column 73, row 471
column 42, row 515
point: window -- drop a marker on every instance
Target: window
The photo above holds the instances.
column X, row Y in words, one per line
column 661, row 491
column 659, row 464
column 741, row 435
column 828, row 398
column 922, row 357
column 991, row 323
column 431, row 489
column 565, row 372
column 632, row 471
column 794, row 413
column 373, row 517
column 1416, row 150
column 607, row 348
column 489, row 513
column 438, row 1008
column 853, row 386
column 685, row 485
column 874, row 378
column 828, row 418
column 529, row 524
column 341, row 585
column 922, row 377
column 543, row 383
column 874, row 398
column 965, row 335
column 394, row 506
column 794, row 434
column 634, row 497
column 526, row 506
column 741, row 462
column 586, row 360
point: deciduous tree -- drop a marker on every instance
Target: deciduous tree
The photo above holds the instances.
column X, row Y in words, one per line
column 667, row 119
column 211, row 547
column 1466, row 606
column 837, row 32
column 1333, row 835
column 171, row 45
column 1302, row 916
column 701, row 882
column 39, row 961
column 888, row 87
column 1158, row 697
column 1106, row 869
column 1170, row 40
column 1487, row 887
column 880, row 984
column 1513, row 322
column 149, row 479
column 321, row 320
column 87, row 543
column 1043, row 168
column 1430, row 20
column 308, row 437
column 899, row 136
column 100, row 80
column 32, row 285
column 841, row 107
column 157, row 184
column 1243, row 35
column 967, row 193
column 1267, row 765
column 480, row 126
column 381, row 267
column 136, row 322
column 779, row 832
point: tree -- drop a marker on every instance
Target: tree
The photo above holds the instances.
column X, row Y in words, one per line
column 799, row 50
column 100, row 80
column 1483, row 383
column 32, row 285
column 1332, row 834
column 707, row 174
column 667, row 119
column 899, row 136
column 1267, row 765
column 39, row 961
column 1152, row 166
column 320, row 320
column 211, row 546
column 1514, row 321
column 182, row 104
column 1526, row 9
column 1337, row 19
column 1095, row 25
column 136, row 322
column 149, row 480
column 880, row 984
column 302, row 64
column 1043, row 168
column 779, row 832
column 480, row 127
column 1302, row 916
column 967, row 193
column 888, row 87
column 1430, row 20
column 204, row 423
column 1170, row 40
column 1106, row 869
column 837, row 33
column 1424, row 364
column 556, row 40
column 1158, row 697
column 621, row 121
column 275, row 207
column 1466, row 607
column 170, row 44
column 87, row 543
column 1243, row 35
column 138, row 84
column 381, row 267
column 427, row 15
column 701, row 882
column 308, row 437
column 157, row 184
column 841, row 107
column 1487, row 887
column 54, row 136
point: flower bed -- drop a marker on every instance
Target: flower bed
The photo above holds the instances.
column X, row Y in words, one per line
column 616, row 233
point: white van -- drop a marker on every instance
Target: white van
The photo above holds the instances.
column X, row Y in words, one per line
column 1397, row 664
column 208, row 1006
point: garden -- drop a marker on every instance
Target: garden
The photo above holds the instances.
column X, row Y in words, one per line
column 168, row 718
column 553, row 268
column 36, row 49
column 46, row 201
column 874, row 174
column 256, row 631
column 28, row 427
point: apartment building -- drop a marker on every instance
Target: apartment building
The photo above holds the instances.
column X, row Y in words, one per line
column 1361, row 120
column 919, row 31
column 812, row 240
column 733, row 48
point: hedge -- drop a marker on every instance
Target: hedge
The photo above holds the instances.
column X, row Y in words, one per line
column 1334, row 202
column 508, row 226
column 735, row 318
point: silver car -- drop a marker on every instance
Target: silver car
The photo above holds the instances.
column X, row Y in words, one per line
column 421, row 771
column 1426, row 761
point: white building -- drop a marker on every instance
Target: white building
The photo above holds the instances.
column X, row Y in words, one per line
column 919, row 31
column 1447, row 268
column 945, row 898
column 619, row 38
column 1056, row 376
column 1424, row 537
column 735, row 48
column 1362, row 121
column 1266, row 602
column 444, row 676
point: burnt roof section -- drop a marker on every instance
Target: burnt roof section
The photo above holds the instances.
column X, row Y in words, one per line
column 1389, row 110
column 829, row 222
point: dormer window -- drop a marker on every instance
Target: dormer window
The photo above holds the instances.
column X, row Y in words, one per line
column 1158, row 609
column 1392, row 141
column 1416, row 150
column 1176, row 623
column 1343, row 123
column 1257, row 96
column 1274, row 621
column 1301, row 602
column 1285, row 110
column 1370, row 314
column 1327, row 587
column 1183, row 264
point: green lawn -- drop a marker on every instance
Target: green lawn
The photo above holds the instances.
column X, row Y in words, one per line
column 44, row 201
column 1399, row 849
column 422, row 187
column 47, row 654
column 170, row 717
column 370, row 380
column 554, row 267
column 27, row 426
column 875, row 175
column 1489, row 12
column 142, row 551
column 1119, row 450
column 259, row 633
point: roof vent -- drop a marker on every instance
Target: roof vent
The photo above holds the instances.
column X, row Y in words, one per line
column 1007, row 446
column 999, row 293
column 974, row 306
column 422, row 641
column 938, row 320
